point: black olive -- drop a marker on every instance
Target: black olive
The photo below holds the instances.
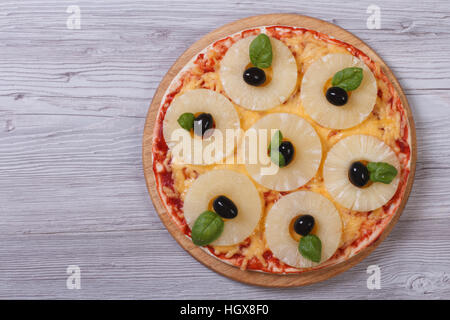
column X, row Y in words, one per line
column 202, row 123
column 358, row 174
column 287, row 150
column 337, row 96
column 254, row 76
column 225, row 208
column 303, row 225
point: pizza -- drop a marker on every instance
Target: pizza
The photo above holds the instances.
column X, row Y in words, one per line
column 318, row 160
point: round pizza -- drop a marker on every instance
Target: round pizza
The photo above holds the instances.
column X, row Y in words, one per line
column 281, row 149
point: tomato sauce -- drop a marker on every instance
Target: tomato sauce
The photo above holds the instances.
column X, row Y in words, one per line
column 206, row 64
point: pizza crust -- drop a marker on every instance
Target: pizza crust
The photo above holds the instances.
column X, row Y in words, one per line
column 360, row 229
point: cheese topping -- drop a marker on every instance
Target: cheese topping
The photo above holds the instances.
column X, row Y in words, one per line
column 385, row 122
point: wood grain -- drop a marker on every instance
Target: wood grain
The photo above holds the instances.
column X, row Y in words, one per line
column 72, row 108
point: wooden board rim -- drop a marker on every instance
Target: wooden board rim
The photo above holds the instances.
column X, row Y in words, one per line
column 253, row 277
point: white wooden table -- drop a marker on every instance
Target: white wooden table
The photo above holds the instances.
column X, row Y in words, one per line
column 72, row 110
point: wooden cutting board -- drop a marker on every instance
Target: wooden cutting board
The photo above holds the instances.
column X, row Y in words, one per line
column 252, row 277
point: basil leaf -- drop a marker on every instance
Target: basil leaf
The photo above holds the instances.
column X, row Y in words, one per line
column 186, row 121
column 261, row 51
column 310, row 247
column 381, row 172
column 348, row 79
column 274, row 146
column 207, row 228
column 277, row 158
column 276, row 140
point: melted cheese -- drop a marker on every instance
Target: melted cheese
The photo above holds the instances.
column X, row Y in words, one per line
column 381, row 123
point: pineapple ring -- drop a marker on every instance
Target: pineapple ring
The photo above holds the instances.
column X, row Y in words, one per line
column 360, row 103
column 238, row 188
column 195, row 101
column 328, row 227
column 335, row 172
column 307, row 154
column 274, row 93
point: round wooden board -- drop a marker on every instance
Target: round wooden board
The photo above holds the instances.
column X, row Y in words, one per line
column 252, row 277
